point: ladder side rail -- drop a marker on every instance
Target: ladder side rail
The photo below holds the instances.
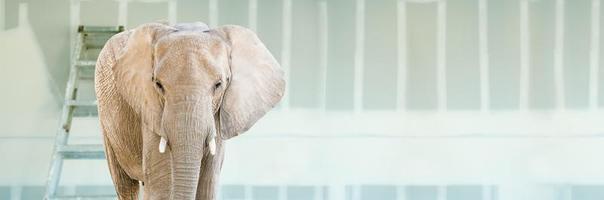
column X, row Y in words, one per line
column 65, row 124
column 73, row 84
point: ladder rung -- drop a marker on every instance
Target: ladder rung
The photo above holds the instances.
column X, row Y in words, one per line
column 87, row 78
column 81, row 103
column 82, row 151
column 85, row 63
column 96, row 197
column 108, row 29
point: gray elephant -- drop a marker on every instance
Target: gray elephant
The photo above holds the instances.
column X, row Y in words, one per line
column 170, row 95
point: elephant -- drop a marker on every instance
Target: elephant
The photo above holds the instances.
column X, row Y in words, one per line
column 169, row 96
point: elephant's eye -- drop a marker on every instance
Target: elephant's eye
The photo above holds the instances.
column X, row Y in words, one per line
column 159, row 86
column 217, row 85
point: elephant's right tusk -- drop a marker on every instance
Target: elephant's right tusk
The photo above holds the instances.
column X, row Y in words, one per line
column 162, row 145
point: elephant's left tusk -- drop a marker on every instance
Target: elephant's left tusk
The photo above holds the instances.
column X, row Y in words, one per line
column 212, row 146
column 162, row 145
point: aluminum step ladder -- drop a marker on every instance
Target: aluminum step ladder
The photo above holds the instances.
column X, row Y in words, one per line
column 90, row 40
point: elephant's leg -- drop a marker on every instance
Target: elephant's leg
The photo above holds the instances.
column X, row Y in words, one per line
column 126, row 188
column 210, row 172
column 157, row 168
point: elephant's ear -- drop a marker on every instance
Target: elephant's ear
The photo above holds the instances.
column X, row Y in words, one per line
column 256, row 82
column 133, row 70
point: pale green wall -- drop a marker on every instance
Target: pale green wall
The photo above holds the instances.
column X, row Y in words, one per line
column 34, row 63
column 51, row 20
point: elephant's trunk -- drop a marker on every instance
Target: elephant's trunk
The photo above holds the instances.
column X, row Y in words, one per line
column 186, row 163
column 187, row 130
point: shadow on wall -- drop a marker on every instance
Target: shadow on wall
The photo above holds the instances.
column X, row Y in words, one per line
column 28, row 106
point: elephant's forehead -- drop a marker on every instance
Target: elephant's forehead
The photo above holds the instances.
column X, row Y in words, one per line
column 191, row 54
column 191, row 44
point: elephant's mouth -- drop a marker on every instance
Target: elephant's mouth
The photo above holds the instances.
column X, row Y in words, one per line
column 163, row 143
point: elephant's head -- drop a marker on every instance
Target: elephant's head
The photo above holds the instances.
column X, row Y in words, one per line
column 190, row 84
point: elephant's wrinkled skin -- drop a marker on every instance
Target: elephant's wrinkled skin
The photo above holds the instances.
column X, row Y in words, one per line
column 193, row 86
